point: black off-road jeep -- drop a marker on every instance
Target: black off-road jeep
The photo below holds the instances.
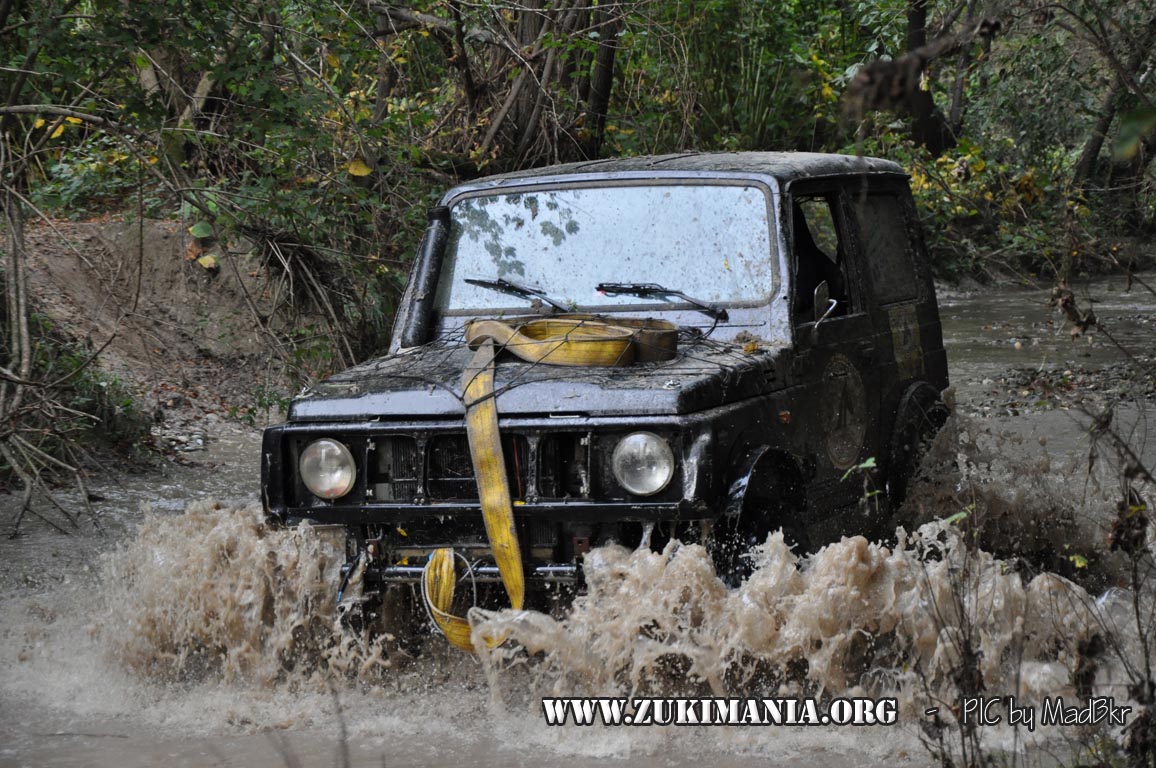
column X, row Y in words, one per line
column 807, row 341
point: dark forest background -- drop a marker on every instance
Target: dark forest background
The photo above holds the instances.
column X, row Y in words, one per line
column 318, row 132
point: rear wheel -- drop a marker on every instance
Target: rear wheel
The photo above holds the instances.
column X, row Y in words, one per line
column 920, row 416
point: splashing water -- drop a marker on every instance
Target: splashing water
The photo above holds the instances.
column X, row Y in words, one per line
column 214, row 600
column 855, row 618
column 249, row 604
column 216, row 592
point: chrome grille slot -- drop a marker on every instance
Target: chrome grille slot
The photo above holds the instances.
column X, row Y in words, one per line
column 450, row 469
column 564, row 466
column 398, row 467
column 543, row 534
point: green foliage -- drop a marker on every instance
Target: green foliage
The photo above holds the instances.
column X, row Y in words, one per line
column 863, row 466
column 324, row 140
column 732, row 75
column 267, row 403
column 86, row 174
column 101, row 410
column 983, row 212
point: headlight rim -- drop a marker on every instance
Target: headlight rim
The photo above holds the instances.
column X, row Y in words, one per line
column 345, row 452
column 659, row 440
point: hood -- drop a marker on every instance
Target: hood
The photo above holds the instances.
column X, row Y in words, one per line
column 426, row 382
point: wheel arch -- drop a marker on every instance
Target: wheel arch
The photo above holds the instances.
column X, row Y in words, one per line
column 762, row 472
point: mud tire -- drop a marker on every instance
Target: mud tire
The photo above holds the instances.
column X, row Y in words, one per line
column 920, row 416
column 775, row 500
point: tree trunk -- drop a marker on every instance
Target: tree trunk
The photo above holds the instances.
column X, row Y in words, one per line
column 1127, row 181
column 601, row 82
column 929, row 127
column 1119, row 95
column 529, row 27
column 1086, row 165
column 962, row 70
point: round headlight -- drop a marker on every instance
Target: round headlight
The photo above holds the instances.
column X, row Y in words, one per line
column 643, row 463
column 327, row 469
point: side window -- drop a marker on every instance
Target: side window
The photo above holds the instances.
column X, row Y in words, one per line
column 821, row 224
column 886, row 247
column 820, row 252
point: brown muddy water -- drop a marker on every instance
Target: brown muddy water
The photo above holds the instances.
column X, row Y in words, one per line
column 188, row 634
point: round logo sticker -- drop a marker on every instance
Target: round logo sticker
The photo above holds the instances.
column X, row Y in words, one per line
column 844, row 411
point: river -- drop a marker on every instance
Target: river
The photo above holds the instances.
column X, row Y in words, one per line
column 96, row 670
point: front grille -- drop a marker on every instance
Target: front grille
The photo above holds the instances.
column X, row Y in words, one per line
column 399, row 469
column 564, row 466
column 439, row 468
column 450, row 469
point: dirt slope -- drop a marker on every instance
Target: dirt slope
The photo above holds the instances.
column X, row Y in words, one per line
column 180, row 335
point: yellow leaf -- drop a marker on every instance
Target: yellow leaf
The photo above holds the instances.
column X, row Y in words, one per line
column 208, row 261
column 57, row 133
column 333, row 61
column 74, row 120
column 359, row 168
column 39, row 123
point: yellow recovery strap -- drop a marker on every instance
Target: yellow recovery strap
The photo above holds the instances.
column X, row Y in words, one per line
column 577, row 340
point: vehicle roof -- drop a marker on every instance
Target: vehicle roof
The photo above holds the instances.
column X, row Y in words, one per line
column 782, row 166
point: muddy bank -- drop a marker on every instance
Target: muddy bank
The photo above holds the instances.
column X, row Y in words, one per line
column 185, row 340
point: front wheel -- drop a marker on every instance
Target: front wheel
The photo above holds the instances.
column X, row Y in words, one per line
column 774, row 501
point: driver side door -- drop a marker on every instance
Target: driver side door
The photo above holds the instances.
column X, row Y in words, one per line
column 835, row 342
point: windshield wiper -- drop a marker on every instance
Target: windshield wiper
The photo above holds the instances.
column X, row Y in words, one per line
column 646, row 290
column 503, row 285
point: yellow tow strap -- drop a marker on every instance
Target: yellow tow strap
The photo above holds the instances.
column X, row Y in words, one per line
column 577, row 340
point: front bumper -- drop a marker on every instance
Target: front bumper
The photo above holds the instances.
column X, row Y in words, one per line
column 406, row 518
column 558, row 472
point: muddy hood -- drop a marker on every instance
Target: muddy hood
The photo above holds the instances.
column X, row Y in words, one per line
column 426, row 382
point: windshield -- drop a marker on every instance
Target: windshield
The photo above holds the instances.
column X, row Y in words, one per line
column 712, row 242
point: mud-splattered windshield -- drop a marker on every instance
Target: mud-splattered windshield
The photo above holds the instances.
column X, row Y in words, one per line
column 712, row 242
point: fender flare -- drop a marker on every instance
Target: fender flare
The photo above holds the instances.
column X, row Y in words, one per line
column 738, row 532
column 760, row 459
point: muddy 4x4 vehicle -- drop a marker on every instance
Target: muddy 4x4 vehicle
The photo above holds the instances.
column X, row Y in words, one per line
column 696, row 346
